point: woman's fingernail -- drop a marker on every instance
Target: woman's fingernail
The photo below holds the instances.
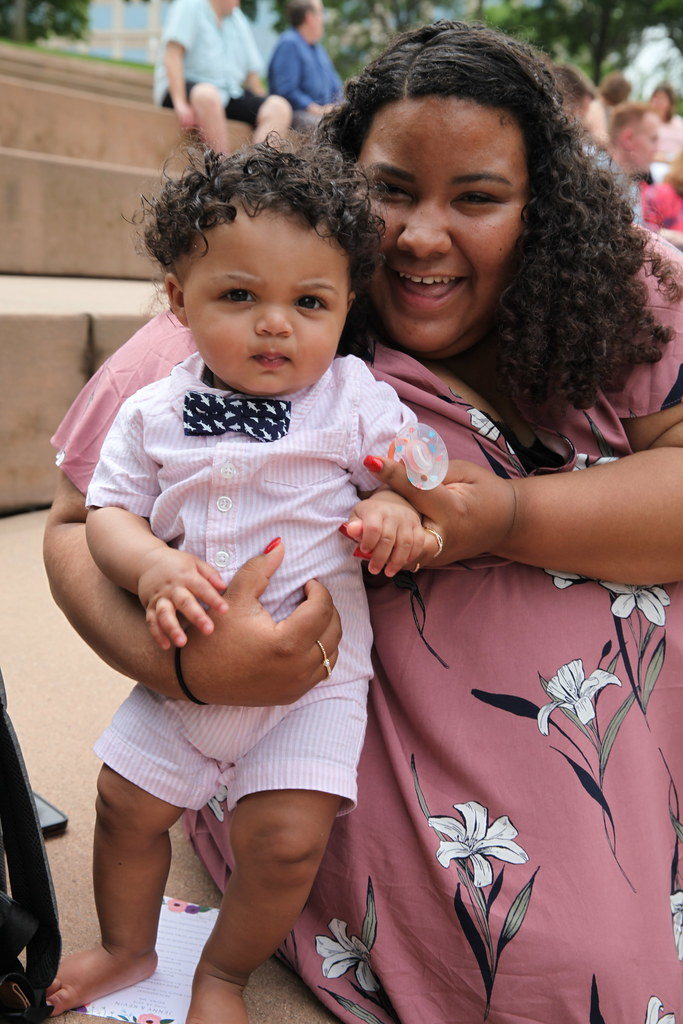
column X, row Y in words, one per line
column 343, row 529
column 372, row 463
column 361, row 554
column 273, row 544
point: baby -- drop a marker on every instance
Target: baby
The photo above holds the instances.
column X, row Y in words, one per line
column 256, row 440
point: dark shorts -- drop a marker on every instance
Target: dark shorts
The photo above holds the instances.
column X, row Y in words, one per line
column 244, row 108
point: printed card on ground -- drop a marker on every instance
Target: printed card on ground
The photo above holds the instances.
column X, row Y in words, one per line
column 165, row 997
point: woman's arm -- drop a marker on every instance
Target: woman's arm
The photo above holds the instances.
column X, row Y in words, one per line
column 248, row 660
column 619, row 521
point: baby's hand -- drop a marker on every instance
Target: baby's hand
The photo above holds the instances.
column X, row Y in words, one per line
column 176, row 581
column 389, row 532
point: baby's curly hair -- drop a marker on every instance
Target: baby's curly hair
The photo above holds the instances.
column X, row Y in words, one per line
column 576, row 312
column 310, row 182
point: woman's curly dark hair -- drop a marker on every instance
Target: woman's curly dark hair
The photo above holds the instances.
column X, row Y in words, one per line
column 576, row 313
column 310, row 182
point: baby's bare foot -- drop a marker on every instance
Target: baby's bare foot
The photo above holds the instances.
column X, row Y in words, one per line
column 85, row 976
column 215, row 999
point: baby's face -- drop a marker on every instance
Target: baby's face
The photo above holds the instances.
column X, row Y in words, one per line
column 266, row 304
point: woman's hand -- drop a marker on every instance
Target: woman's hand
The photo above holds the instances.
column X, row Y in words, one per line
column 266, row 662
column 473, row 510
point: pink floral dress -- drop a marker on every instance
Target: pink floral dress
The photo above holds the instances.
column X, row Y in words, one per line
column 514, row 856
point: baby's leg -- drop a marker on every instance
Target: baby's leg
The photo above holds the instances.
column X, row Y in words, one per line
column 278, row 839
column 131, row 857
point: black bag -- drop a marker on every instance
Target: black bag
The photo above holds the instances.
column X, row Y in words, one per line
column 28, row 918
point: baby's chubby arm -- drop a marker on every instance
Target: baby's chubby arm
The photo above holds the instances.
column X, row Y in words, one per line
column 167, row 581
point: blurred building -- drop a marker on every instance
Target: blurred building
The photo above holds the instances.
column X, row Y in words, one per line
column 131, row 29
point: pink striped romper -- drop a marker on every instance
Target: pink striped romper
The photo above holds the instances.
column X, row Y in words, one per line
column 224, row 498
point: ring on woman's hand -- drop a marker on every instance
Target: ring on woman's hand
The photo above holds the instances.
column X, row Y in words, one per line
column 437, row 537
column 326, row 660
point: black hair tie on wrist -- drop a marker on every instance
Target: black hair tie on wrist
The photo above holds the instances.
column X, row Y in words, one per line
column 181, row 681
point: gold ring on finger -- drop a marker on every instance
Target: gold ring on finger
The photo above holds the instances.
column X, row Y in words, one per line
column 326, row 660
column 437, row 537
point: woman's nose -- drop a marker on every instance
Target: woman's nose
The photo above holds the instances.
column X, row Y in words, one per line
column 275, row 322
column 425, row 233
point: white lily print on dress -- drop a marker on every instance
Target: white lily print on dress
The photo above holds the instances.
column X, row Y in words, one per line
column 584, row 461
column 677, row 914
column 469, row 843
column 483, row 425
column 474, row 841
column 570, row 689
column 654, row 1008
column 562, row 580
column 217, row 801
column 627, row 597
column 341, row 953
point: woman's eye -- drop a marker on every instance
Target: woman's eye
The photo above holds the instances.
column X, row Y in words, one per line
column 238, row 295
column 309, row 302
column 385, row 191
column 476, row 198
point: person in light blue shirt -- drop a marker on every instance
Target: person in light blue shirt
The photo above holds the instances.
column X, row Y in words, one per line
column 300, row 69
column 209, row 69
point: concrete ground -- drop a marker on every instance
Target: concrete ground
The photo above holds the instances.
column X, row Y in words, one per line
column 60, row 696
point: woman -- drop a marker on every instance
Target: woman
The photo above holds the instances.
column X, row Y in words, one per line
column 664, row 101
column 512, row 685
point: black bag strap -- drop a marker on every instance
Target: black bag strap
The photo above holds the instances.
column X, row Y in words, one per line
column 28, row 918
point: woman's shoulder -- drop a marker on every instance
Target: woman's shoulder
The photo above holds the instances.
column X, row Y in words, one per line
column 650, row 387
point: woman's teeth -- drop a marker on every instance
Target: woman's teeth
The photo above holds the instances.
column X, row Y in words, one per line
column 426, row 280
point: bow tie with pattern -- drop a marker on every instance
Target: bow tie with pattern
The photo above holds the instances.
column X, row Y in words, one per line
column 264, row 419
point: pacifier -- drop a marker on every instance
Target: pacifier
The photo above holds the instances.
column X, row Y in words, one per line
column 423, row 453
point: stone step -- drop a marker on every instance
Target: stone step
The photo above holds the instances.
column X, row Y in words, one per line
column 69, row 217
column 55, row 332
column 94, row 76
column 52, row 119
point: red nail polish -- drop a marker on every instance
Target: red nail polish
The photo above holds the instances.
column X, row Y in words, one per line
column 273, row 544
column 343, row 530
column 361, row 554
column 372, row 463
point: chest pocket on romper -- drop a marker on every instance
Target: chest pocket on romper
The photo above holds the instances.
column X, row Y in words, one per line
column 310, row 459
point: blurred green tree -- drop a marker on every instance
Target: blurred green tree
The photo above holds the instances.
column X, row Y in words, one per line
column 597, row 34
column 31, row 20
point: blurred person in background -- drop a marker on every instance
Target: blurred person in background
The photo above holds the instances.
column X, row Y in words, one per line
column 614, row 89
column 670, row 137
column 300, row 68
column 632, row 146
column 663, row 205
column 209, row 69
column 578, row 95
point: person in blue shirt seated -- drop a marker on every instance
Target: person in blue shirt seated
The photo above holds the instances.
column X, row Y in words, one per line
column 300, row 68
column 209, row 69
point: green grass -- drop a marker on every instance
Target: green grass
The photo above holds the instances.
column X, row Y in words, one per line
column 84, row 57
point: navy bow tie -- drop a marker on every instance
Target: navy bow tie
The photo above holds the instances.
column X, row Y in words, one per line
column 265, row 419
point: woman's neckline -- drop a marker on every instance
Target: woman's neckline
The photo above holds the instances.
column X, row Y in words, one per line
column 499, row 410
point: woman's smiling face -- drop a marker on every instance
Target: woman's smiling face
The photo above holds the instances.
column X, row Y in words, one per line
column 453, row 183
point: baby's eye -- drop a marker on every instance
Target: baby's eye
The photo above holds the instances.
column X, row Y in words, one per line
column 239, row 295
column 309, row 302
